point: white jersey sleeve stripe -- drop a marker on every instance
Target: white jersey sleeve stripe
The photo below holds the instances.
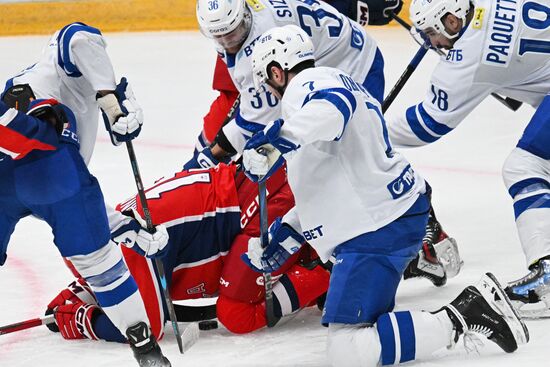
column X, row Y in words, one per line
column 64, row 47
column 341, row 98
column 424, row 126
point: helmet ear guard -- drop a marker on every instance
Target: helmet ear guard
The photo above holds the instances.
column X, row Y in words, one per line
column 429, row 14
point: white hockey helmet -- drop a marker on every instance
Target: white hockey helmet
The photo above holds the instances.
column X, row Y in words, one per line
column 288, row 46
column 427, row 14
column 228, row 22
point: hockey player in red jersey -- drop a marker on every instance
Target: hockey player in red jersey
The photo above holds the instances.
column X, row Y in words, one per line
column 210, row 215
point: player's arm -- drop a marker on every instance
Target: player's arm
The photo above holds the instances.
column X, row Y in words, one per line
column 82, row 53
column 253, row 111
column 453, row 93
column 128, row 228
column 20, row 134
column 331, row 109
column 221, row 106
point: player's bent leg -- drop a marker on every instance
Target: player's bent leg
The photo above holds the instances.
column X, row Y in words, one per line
column 297, row 288
column 353, row 345
column 240, row 317
column 143, row 272
column 115, row 289
column 411, row 335
column 528, row 183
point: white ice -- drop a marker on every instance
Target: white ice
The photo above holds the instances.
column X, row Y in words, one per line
column 171, row 75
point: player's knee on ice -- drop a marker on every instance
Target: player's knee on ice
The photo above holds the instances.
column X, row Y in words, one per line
column 526, row 178
column 353, row 345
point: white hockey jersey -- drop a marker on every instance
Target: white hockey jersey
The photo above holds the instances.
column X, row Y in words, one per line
column 345, row 177
column 504, row 49
column 339, row 42
column 73, row 68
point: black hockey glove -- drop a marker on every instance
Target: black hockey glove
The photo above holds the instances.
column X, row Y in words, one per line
column 375, row 12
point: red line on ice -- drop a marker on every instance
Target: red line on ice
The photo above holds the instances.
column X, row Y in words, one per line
column 33, row 287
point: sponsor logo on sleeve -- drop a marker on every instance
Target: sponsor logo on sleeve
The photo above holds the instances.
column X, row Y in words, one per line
column 403, row 183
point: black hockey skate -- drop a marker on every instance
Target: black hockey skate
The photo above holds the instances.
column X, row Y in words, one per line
column 534, row 288
column 485, row 309
column 145, row 347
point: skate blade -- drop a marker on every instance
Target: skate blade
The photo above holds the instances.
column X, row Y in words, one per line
column 492, row 291
column 530, row 311
column 190, row 335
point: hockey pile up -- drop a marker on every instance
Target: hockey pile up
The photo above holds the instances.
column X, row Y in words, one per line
column 297, row 194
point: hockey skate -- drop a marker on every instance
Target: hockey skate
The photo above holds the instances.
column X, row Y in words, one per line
column 145, row 347
column 531, row 294
column 485, row 309
column 438, row 259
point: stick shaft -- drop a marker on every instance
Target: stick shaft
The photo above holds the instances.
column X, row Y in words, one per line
column 268, row 283
column 151, row 227
column 27, row 324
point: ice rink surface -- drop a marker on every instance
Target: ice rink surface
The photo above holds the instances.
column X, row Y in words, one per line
column 171, row 75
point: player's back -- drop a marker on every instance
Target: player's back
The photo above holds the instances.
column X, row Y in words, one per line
column 349, row 181
column 338, row 41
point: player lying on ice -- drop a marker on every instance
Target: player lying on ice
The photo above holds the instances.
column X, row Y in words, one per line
column 504, row 47
column 43, row 174
column 368, row 208
column 210, row 215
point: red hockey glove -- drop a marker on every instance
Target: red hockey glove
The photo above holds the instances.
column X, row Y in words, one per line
column 75, row 320
column 76, row 292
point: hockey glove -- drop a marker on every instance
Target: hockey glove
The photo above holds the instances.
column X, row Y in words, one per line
column 122, row 115
column 204, row 159
column 133, row 234
column 75, row 320
column 263, row 152
column 284, row 242
column 76, row 292
column 375, row 12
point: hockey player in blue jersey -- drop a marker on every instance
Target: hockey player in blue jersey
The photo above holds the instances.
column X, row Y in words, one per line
column 51, row 182
column 76, row 70
column 495, row 46
column 360, row 201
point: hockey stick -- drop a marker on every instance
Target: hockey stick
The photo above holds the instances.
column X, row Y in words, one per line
column 158, row 262
column 511, row 103
column 405, row 76
column 268, row 282
column 27, row 324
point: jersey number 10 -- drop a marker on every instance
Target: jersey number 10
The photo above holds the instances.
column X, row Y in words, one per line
column 535, row 45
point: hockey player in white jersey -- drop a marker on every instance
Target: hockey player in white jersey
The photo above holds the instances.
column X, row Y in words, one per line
column 76, row 70
column 494, row 46
column 358, row 200
column 235, row 27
